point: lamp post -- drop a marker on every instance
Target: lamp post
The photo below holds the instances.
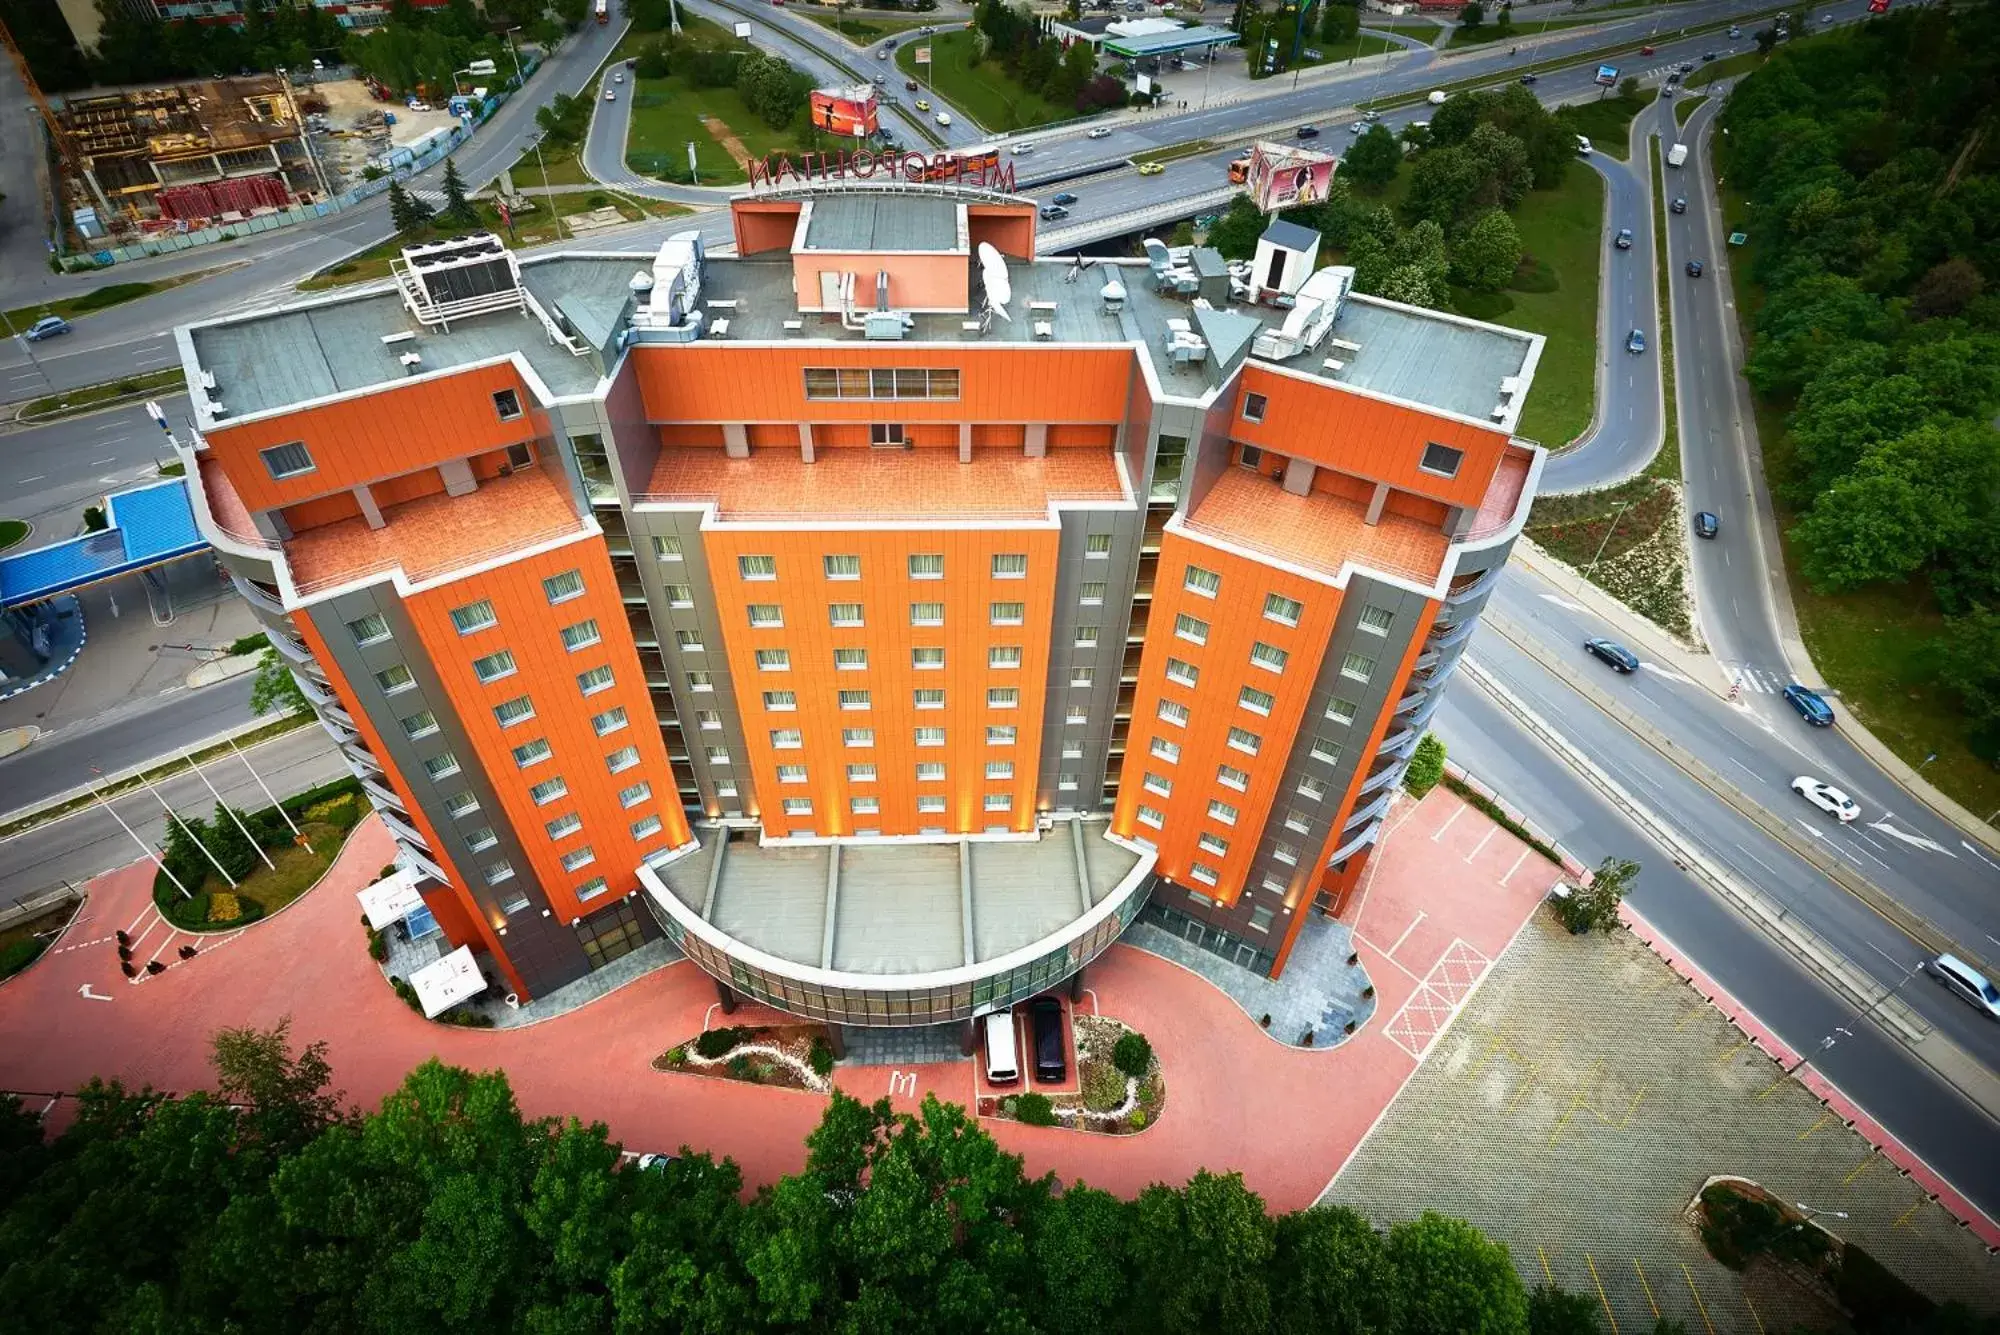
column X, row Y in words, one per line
column 1841, row 1031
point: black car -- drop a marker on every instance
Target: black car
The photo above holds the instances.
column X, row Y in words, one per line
column 1694, row 268
column 1624, row 239
column 1706, row 525
column 1707, row 56
column 1530, row 78
column 1612, row 653
column 1051, row 1066
column 1309, row 132
column 1065, row 198
column 1680, row 204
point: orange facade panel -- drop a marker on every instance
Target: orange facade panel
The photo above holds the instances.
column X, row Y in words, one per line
column 1222, row 709
column 855, row 759
column 546, row 672
column 381, row 434
column 719, row 383
column 1383, row 442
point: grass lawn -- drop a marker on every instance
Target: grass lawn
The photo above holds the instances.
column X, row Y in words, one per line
column 90, row 394
column 667, row 114
column 102, row 298
column 863, row 32
column 1364, row 44
column 985, row 92
column 1606, row 123
column 294, row 870
column 1626, row 539
column 1666, row 464
column 1684, row 109
column 1187, row 150
column 1727, row 67
column 11, row 532
column 1555, row 295
column 23, row 943
column 565, row 167
column 1488, row 33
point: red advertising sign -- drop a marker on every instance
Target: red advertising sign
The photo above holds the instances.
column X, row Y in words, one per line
column 1283, row 177
column 1878, row 6
column 849, row 112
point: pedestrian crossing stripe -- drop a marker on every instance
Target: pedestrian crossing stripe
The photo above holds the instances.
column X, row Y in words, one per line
column 1763, row 681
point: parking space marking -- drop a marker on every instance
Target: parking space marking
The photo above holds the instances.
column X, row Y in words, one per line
column 1699, row 1305
column 1915, row 1206
column 1699, row 1007
column 1438, row 833
column 1516, row 867
column 1582, row 1103
column 1753, row 1312
column 1548, row 1273
column 1824, row 1118
column 1600, row 1293
column 1723, row 1060
column 1440, row 993
column 1860, row 1168
column 1421, row 915
column 1480, row 847
column 1498, row 1043
column 1647, row 1287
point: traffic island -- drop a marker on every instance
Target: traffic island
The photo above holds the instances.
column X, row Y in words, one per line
column 225, row 873
column 1119, row 1089
column 788, row 1056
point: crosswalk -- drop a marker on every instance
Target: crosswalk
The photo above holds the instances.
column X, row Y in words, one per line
column 1761, row 680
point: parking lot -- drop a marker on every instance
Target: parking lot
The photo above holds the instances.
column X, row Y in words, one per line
column 1579, row 1103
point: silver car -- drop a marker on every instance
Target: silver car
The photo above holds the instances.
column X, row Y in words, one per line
column 1967, row 981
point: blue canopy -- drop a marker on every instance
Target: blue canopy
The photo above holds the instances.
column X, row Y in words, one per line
column 149, row 526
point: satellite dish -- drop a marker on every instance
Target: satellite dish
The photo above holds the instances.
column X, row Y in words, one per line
column 999, row 287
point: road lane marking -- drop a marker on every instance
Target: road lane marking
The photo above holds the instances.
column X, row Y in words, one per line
column 1668, row 673
column 1981, row 856
column 1563, row 603
column 1914, row 840
column 1746, row 769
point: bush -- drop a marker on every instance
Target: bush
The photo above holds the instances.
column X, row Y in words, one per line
column 1103, row 1087
column 1035, row 1109
column 739, row 1066
column 1133, row 1055
column 714, row 1042
column 18, row 955
column 1737, row 1228
column 821, row 1058
column 249, row 644
column 1426, row 766
column 1137, row 1120
column 378, row 946
column 1876, row 1299
column 223, row 906
column 408, row 994
column 677, row 1056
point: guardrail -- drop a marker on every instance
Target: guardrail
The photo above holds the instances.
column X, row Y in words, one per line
column 1083, row 233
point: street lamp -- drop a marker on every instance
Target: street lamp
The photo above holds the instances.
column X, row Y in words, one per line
column 1841, row 1031
column 28, row 348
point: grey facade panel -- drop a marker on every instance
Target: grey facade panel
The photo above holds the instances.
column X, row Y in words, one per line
column 1082, row 749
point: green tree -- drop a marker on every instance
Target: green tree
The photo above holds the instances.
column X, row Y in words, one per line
column 1201, row 1258
column 458, row 210
column 231, row 847
column 274, row 687
column 1628, row 91
column 1594, row 906
column 1766, row 38
column 1373, row 160
column 407, row 213
column 1505, row 174
column 1077, row 1246
column 285, row 1098
column 1487, row 255
column 1426, row 767
column 1470, row 17
column 1454, row 122
column 1449, row 1279
column 1339, row 24
column 1330, row 1275
column 1555, row 1311
column 1968, row 665
column 1444, row 183
column 1235, row 233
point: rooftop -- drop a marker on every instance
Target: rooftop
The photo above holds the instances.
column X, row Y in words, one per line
column 1160, row 43
column 897, row 908
column 858, row 483
column 864, row 221
column 1319, row 531
column 146, row 526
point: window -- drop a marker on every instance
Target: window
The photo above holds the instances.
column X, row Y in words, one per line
column 517, row 903
column 1326, row 748
column 1185, row 673
column 461, row 804
column 1222, row 811
column 1000, row 735
column 1376, row 620
column 999, row 801
column 1253, row 407
column 857, row 736
column 757, row 567
column 1002, row 697
column 763, row 616
column 1213, row 843
column 1442, row 459
column 1010, row 565
column 578, row 859
column 931, row 771
column 420, row 725
column 1340, row 711
column 1204, row 582
column 582, row 635
column 1091, row 594
column 507, row 403
column 926, row 614
column 518, row 710
column 1166, row 750
column 667, row 548
column 371, row 629
column 854, row 699
column 1231, row 777
column 481, row 839
column 1312, row 788
column 1285, row 611
column 787, row 739
column 929, row 698
column 441, row 766
column 1260, row 918
column 1077, row 714
column 1067, row 782
column 679, row 595
column 493, row 666
column 633, row 796
column 901, row 382
column 887, row 435
column 1275, row 886
column 774, row 660
column 1082, row 676
column 1086, row 637
column 716, row 755
column 1256, row 701
column 781, row 700
column 530, row 753
column 708, row 720
column 850, row 660
column 564, row 825
column 1298, row 821
column 1245, row 741
column 798, row 806
column 926, row 659
column 1286, row 854
column 791, row 774
column 841, row 567
column 1268, row 657
column 1173, row 712
column 930, row 806
column 1159, row 783
column 1204, row 873
column 927, row 565
column 864, row 806
column 689, row 641
column 548, row 791
column 624, row 758
column 610, row 721
column 1097, row 546
column 1357, row 666
column 861, row 774
column 844, row 614
column 590, row 890
column 595, row 680
column 643, row 828
column 287, row 460
column 499, row 871
column 930, row 737
column 561, row 588
column 1004, row 656
column 1193, row 629
column 1007, row 614
column 1151, row 816
column 999, row 769
column 1071, row 751
column 725, row 787
column 394, row 679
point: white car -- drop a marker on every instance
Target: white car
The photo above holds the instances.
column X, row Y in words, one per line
column 1101, row 132
column 1826, row 797
column 1021, row 150
column 943, row 118
column 610, row 96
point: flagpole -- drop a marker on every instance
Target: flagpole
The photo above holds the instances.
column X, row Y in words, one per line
column 231, row 810
column 297, row 833
column 151, row 852
column 172, row 815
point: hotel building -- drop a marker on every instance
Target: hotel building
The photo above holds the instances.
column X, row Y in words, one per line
column 885, row 615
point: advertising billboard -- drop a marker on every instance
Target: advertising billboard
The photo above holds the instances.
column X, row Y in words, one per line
column 850, row 112
column 1607, row 75
column 1284, row 177
column 922, row 56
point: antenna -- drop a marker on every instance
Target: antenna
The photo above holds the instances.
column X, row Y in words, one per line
column 999, row 287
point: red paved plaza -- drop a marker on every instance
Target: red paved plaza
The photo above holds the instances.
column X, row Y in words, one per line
column 1446, row 894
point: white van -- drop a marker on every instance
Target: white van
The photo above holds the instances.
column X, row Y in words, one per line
column 1003, row 1059
column 1582, row 145
column 943, row 118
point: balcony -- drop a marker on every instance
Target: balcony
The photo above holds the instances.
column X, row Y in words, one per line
column 291, row 650
column 1398, row 741
column 1381, row 778
column 342, row 735
column 1354, row 845
column 1367, row 813
column 406, row 833
column 643, row 633
column 1479, row 586
column 1411, row 701
column 632, row 592
column 382, row 797
column 1320, row 532
column 1446, row 634
column 259, row 595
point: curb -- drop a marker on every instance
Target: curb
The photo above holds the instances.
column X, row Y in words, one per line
column 42, row 678
column 13, row 740
column 222, row 669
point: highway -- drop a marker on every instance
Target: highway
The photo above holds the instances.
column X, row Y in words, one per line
column 121, row 739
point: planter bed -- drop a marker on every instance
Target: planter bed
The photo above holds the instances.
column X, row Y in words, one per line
column 1111, row 1102
column 789, row 1056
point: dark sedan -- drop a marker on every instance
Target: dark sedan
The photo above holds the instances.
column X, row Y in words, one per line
column 1051, row 1065
column 1613, row 654
column 1065, row 199
column 1706, row 525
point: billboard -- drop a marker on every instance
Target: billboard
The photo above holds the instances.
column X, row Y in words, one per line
column 1285, row 177
column 1607, row 75
column 922, row 56
column 850, row 112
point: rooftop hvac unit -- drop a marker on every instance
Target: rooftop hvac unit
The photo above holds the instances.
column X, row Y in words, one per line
column 886, row 324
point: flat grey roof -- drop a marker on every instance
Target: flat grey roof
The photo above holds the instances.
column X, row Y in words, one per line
column 898, row 908
column 863, row 221
column 1427, row 358
column 1159, row 43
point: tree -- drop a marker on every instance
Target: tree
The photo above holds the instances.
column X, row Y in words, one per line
column 1201, row 1258
column 1426, row 767
column 286, row 1098
column 1593, row 906
column 1373, row 160
column 1968, row 665
column 1488, row 253
column 1555, row 1311
column 1472, row 16
column 1443, row 184
column 1454, row 122
column 1077, row 1246
column 275, row 688
column 1504, row 25
column 458, row 210
column 1947, row 288
column 1628, row 90
column 1449, row 1279
column 1235, row 233
column 1766, row 38
column 407, row 213
column 231, row 847
column 1331, row 1275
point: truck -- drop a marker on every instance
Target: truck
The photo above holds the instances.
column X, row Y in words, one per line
column 604, row 11
column 1677, row 156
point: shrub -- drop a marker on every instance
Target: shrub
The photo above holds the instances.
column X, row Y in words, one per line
column 408, row 994
column 249, row 644
column 1426, row 766
column 387, row 871
column 335, row 811
column 378, row 946
column 1132, row 1054
column 1737, row 1228
column 822, row 1057
column 1137, row 1120
column 1009, row 1105
column 739, row 1066
column 677, row 1056
column 1875, row 1298
column 224, row 907
column 18, row 955
column 714, row 1042
column 1103, row 1087
column 1035, row 1109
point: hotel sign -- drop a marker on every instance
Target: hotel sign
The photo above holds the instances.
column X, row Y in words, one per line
column 983, row 168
